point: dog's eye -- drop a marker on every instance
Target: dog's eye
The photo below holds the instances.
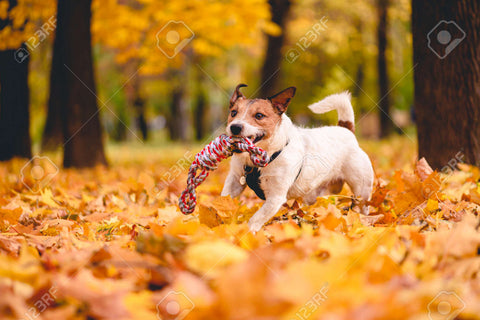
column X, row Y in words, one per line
column 259, row 116
column 233, row 113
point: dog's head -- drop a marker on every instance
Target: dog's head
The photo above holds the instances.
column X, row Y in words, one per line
column 257, row 119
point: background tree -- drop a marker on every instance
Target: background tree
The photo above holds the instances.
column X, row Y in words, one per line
column 386, row 123
column 20, row 32
column 215, row 28
column 14, row 103
column 228, row 47
column 15, row 27
column 447, row 98
column 73, row 88
column 273, row 54
column 14, row 98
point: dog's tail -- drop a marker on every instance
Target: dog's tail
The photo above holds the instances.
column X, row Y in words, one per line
column 341, row 103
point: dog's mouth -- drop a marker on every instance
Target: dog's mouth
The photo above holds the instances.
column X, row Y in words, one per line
column 257, row 137
column 253, row 138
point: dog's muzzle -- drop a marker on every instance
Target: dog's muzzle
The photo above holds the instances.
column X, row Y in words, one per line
column 236, row 129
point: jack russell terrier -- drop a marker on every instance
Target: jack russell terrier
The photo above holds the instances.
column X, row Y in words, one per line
column 304, row 163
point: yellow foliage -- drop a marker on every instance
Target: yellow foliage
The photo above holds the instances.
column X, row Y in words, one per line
column 27, row 18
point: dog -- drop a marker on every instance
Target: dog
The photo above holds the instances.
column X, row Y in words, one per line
column 304, row 163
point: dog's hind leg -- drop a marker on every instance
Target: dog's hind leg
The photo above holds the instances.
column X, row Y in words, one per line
column 359, row 176
column 333, row 187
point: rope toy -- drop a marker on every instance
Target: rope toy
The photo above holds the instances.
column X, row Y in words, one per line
column 206, row 160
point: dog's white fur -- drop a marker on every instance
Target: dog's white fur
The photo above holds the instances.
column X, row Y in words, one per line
column 319, row 156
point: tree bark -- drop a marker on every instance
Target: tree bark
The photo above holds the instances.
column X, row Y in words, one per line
column 73, row 89
column 135, row 99
column 386, row 123
column 14, row 100
column 273, row 56
column 201, row 108
column 142, row 124
column 52, row 137
column 14, row 105
column 178, row 119
column 447, row 80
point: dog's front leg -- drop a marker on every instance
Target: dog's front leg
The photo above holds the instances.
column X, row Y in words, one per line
column 232, row 186
column 266, row 212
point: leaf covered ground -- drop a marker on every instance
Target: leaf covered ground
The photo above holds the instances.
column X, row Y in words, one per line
column 110, row 243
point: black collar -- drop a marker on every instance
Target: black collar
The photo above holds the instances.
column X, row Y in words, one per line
column 275, row 155
column 252, row 175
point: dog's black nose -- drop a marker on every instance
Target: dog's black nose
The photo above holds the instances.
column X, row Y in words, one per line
column 236, row 128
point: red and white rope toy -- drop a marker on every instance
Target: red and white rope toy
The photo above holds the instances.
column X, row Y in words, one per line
column 207, row 159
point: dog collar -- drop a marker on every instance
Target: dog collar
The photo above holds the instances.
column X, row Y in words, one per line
column 252, row 176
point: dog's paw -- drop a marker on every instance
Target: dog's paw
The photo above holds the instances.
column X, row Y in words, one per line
column 254, row 226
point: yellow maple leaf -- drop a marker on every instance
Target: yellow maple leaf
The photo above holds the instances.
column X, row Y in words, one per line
column 209, row 256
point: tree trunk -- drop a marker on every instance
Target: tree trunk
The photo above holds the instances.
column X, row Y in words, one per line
column 73, row 87
column 447, row 80
column 200, row 117
column 53, row 132
column 178, row 119
column 142, row 124
column 14, row 100
column 14, row 104
column 135, row 99
column 386, row 124
column 273, row 56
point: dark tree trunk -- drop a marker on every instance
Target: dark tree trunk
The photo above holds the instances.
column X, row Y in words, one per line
column 135, row 99
column 140, row 115
column 53, row 132
column 73, row 89
column 359, row 79
column 386, row 124
column 200, row 117
column 119, row 130
column 14, row 100
column 14, row 104
column 178, row 119
column 273, row 56
column 447, row 80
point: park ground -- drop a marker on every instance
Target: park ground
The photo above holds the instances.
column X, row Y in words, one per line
column 111, row 243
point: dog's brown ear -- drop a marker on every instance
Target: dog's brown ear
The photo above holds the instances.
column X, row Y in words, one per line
column 281, row 100
column 237, row 94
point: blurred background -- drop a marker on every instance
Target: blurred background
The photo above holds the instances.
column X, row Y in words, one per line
column 91, row 73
